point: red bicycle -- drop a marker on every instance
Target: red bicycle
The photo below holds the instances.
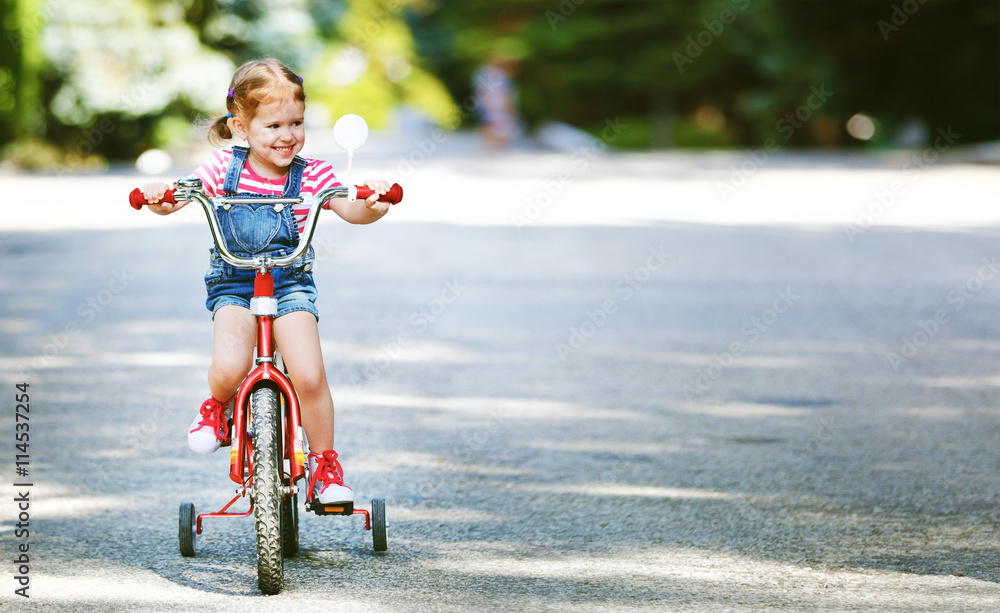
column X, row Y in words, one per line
column 268, row 453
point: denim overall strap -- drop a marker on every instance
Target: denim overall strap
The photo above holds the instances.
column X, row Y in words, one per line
column 293, row 184
column 239, row 159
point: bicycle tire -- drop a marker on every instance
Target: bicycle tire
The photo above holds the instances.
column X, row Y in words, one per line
column 290, row 525
column 379, row 541
column 266, row 489
column 186, row 527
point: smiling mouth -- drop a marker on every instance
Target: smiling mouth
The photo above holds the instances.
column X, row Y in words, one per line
column 283, row 150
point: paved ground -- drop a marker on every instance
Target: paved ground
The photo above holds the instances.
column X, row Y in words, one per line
column 638, row 395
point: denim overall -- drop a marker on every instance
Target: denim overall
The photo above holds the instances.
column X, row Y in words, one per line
column 251, row 230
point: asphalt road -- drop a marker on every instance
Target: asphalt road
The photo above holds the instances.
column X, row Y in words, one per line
column 737, row 412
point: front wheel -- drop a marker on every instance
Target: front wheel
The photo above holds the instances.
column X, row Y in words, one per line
column 378, row 525
column 266, row 488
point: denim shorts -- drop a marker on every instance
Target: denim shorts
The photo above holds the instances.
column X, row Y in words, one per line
column 293, row 286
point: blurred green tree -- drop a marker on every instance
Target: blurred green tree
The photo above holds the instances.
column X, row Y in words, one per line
column 122, row 76
column 370, row 65
column 116, row 74
column 910, row 62
column 84, row 78
column 128, row 70
column 705, row 72
column 22, row 66
column 728, row 72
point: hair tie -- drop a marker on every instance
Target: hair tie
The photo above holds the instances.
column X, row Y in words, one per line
column 229, row 115
column 230, row 92
column 300, row 79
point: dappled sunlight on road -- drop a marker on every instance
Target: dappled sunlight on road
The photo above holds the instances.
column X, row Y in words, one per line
column 51, row 500
column 445, row 514
column 504, row 408
column 413, row 351
column 697, row 579
column 963, row 382
column 619, row 490
column 615, row 447
column 743, row 409
column 99, row 360
column 394, row 460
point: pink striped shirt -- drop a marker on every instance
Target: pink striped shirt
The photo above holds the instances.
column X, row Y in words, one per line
column 317, row 176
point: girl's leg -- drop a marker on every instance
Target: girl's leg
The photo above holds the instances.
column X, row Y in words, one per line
column 234, row 333
column 233, row 338
column 297, row 336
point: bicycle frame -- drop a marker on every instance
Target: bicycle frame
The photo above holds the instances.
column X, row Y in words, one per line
column 264, row 308
column 293, row 449
column 266, row 371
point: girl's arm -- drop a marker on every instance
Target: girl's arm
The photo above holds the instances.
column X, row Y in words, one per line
column 363, row 211
column 153, row 192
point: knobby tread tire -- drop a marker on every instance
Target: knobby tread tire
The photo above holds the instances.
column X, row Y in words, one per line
column 267, row 489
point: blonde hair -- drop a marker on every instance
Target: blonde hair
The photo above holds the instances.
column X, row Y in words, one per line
column 255, row 83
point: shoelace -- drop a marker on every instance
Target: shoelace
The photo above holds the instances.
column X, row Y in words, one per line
column 212, row 416
column 328, row 466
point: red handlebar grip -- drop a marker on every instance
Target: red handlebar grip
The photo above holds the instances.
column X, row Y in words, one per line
column 136, row 199
column 393, row 196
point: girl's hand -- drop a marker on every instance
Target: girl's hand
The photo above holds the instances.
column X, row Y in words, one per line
column 364, row 211
column 153, row 192
column 380, row 188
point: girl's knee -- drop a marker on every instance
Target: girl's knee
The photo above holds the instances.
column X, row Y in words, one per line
column 227, row 373
column 310, row 382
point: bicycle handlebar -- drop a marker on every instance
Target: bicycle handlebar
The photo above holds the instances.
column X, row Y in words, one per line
column 395, row 194
column 137, row 200
column 190, row 190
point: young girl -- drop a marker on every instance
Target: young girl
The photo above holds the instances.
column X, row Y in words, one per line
column 265, row 104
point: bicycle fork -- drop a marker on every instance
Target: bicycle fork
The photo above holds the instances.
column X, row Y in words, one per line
column 264, row 307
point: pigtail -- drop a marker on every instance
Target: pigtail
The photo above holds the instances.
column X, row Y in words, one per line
column 219, row 131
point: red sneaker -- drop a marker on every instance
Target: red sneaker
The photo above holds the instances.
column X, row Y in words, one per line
column 209, row 430
column 327, row 482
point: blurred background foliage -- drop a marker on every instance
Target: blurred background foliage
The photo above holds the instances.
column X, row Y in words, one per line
column 86, row 81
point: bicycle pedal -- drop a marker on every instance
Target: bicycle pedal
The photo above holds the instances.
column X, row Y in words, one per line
column 345, row 508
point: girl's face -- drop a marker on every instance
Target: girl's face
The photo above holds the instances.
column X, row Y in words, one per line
column 275, row 136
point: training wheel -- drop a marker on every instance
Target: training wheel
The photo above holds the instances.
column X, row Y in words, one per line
column 187, row 528
column 378, row 525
